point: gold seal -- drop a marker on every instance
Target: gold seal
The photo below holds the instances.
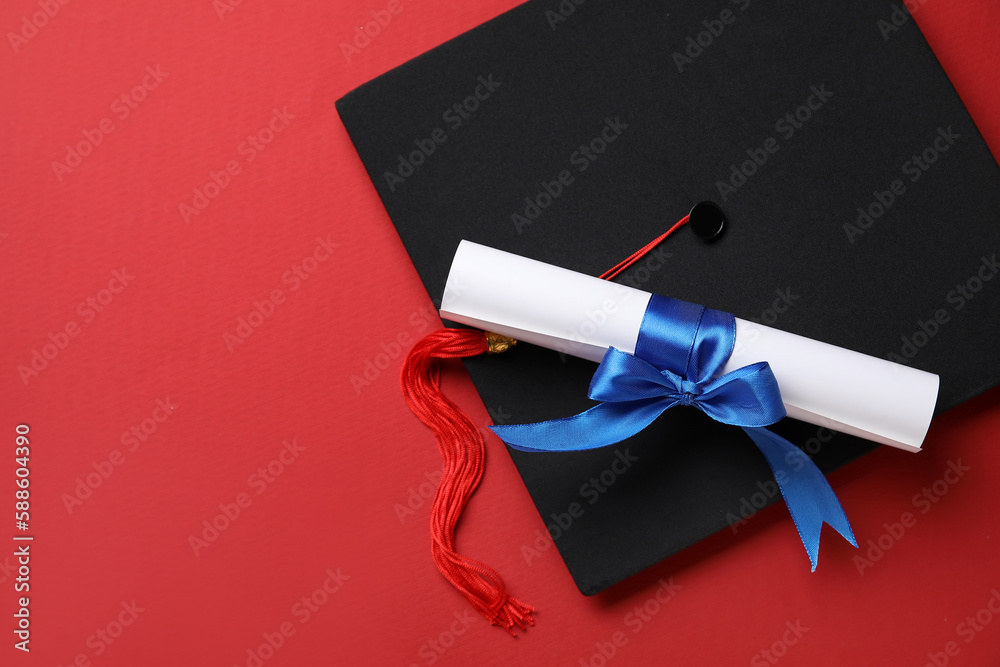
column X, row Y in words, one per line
column 497, row 343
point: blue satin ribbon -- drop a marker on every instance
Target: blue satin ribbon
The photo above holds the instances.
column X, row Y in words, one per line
column 680, row 349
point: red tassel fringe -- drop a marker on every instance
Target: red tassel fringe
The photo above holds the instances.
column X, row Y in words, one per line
column 464, row 452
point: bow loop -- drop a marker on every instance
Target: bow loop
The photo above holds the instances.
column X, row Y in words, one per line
column 625, row 377
column 748, row 396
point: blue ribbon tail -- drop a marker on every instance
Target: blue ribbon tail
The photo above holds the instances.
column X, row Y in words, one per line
column 601, row 425
column 808, row 495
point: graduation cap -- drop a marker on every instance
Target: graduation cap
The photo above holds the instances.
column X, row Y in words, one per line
column 860, row 209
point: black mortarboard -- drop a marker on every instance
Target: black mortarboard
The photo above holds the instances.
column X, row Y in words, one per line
column 860, row 197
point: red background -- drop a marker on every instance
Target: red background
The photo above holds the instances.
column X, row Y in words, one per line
column 334, row 506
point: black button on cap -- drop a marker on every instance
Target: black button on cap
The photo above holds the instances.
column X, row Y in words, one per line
column 707, row 220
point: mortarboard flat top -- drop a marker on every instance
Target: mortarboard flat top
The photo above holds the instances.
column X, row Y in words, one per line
column 862, row 204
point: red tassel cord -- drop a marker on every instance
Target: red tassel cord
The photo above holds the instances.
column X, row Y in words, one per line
column 641, row 252
column 464, row 452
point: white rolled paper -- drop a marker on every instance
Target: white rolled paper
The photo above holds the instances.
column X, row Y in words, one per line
column 583, row 316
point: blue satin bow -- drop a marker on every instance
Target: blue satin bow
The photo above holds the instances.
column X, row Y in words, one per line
column 680, row 349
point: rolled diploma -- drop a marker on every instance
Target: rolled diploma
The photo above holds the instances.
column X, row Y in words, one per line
column 583, row 316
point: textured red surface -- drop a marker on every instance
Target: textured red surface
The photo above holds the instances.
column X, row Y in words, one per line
column 358, row 454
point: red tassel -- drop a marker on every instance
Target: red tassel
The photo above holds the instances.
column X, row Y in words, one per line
column 464, row 452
